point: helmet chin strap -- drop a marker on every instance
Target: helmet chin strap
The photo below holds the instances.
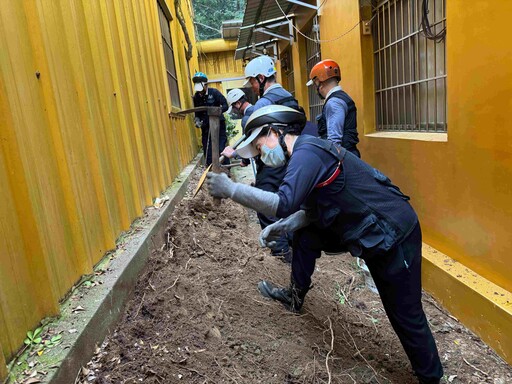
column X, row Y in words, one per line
column 282, row 143
column 262, row 85
column 280, row 139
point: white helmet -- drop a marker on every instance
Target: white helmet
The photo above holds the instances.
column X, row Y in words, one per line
column 261, row 65
column 233, row 96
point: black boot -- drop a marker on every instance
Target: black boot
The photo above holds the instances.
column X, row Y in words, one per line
column 292, row 297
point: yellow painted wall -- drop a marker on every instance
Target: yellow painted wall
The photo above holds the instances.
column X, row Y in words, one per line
column 86, row 141
column 220, row 64
column 216, row 58
column 461, row 186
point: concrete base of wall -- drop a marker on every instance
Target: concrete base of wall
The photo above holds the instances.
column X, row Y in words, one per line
column 480, row 305
column 88, row 317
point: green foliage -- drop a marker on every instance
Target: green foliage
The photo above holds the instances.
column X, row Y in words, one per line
column 209, row 15
column 231, row 130
column 53, row 341
column 34, row 337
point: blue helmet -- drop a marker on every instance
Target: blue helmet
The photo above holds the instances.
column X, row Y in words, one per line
column 200, row 77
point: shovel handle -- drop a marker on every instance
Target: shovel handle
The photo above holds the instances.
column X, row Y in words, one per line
column 235, row 145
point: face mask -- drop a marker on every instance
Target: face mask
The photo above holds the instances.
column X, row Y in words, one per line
column 274, row 157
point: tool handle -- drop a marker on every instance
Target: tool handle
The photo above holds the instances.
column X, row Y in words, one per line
column 237, row 143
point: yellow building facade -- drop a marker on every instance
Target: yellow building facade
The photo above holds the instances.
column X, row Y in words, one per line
column 89, row 136
column 458, row 172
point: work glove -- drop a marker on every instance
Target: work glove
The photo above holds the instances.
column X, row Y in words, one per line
column 198, row 122
column 269, row 235
column 219, row 185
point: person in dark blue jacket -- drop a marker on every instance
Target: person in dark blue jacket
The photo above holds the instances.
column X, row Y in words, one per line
column 260, row 73
column 333, row 201
column 210, row 97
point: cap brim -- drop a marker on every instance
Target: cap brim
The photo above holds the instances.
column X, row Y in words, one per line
column 247, row 81
column 309, row 83
column 246, row 149
column 198, row 87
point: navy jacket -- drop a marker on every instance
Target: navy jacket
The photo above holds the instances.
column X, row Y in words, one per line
column 368, row 212
column 212, row 98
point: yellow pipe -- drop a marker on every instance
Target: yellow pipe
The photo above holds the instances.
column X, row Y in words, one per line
column 216, row 45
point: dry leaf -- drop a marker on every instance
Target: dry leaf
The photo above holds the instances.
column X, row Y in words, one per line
column 77, row 309
column 32, row 380
column 85, row 371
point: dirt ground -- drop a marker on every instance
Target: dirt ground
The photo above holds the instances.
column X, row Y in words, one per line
column 197, row 317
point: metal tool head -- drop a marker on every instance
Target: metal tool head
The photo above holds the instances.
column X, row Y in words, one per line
column 202, row 179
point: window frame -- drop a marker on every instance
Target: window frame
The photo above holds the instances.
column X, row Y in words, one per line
column 165, row 19
column 409, row 69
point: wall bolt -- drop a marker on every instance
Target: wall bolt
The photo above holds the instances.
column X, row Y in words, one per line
column 38, row 74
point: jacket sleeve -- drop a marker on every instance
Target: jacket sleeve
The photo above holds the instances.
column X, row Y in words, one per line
column 335, row 112
column 247, row 114
column 221, row 101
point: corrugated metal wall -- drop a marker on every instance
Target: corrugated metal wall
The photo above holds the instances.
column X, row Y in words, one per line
column 86, row 141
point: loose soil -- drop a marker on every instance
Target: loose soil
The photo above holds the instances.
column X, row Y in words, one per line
column 197, row 317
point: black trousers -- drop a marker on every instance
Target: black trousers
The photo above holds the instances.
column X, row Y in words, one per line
column 397, row 275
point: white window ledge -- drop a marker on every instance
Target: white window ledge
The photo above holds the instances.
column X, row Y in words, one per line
column 418, row 136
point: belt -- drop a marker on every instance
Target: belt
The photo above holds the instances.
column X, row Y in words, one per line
column 332, row 177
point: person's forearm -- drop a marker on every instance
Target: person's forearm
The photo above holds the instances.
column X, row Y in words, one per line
column 261, row 201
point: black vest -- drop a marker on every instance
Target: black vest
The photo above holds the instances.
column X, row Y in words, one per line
column 370, row 214
column 288, row 101
column 350, row 137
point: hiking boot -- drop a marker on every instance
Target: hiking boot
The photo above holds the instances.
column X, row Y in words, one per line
column 292, row 297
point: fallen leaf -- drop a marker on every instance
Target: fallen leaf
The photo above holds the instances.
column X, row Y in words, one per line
column 85, row 371
column 78, row 309
column 32, row 380
column 451, row 378
column 73, row 330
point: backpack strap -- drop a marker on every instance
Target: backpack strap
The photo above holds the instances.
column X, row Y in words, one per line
column 336, row 151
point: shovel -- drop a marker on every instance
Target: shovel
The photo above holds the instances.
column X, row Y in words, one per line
column 221, row 159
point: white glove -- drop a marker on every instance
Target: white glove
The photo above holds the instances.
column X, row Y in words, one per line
column 198, row 122
column 270, row 234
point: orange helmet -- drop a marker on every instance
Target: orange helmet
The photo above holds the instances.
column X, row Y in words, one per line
column 324, row 70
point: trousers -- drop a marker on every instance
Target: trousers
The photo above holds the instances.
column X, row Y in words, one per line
column 397, row 275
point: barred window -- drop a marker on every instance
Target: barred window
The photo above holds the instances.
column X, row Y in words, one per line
column 169, row 57
column 313, row 56
column 410, row 65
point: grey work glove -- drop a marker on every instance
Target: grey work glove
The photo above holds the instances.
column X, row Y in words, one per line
column 219, row 185
column 198, row 122
column 270, row 234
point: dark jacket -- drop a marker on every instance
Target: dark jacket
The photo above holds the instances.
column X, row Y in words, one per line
column 212, row 98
